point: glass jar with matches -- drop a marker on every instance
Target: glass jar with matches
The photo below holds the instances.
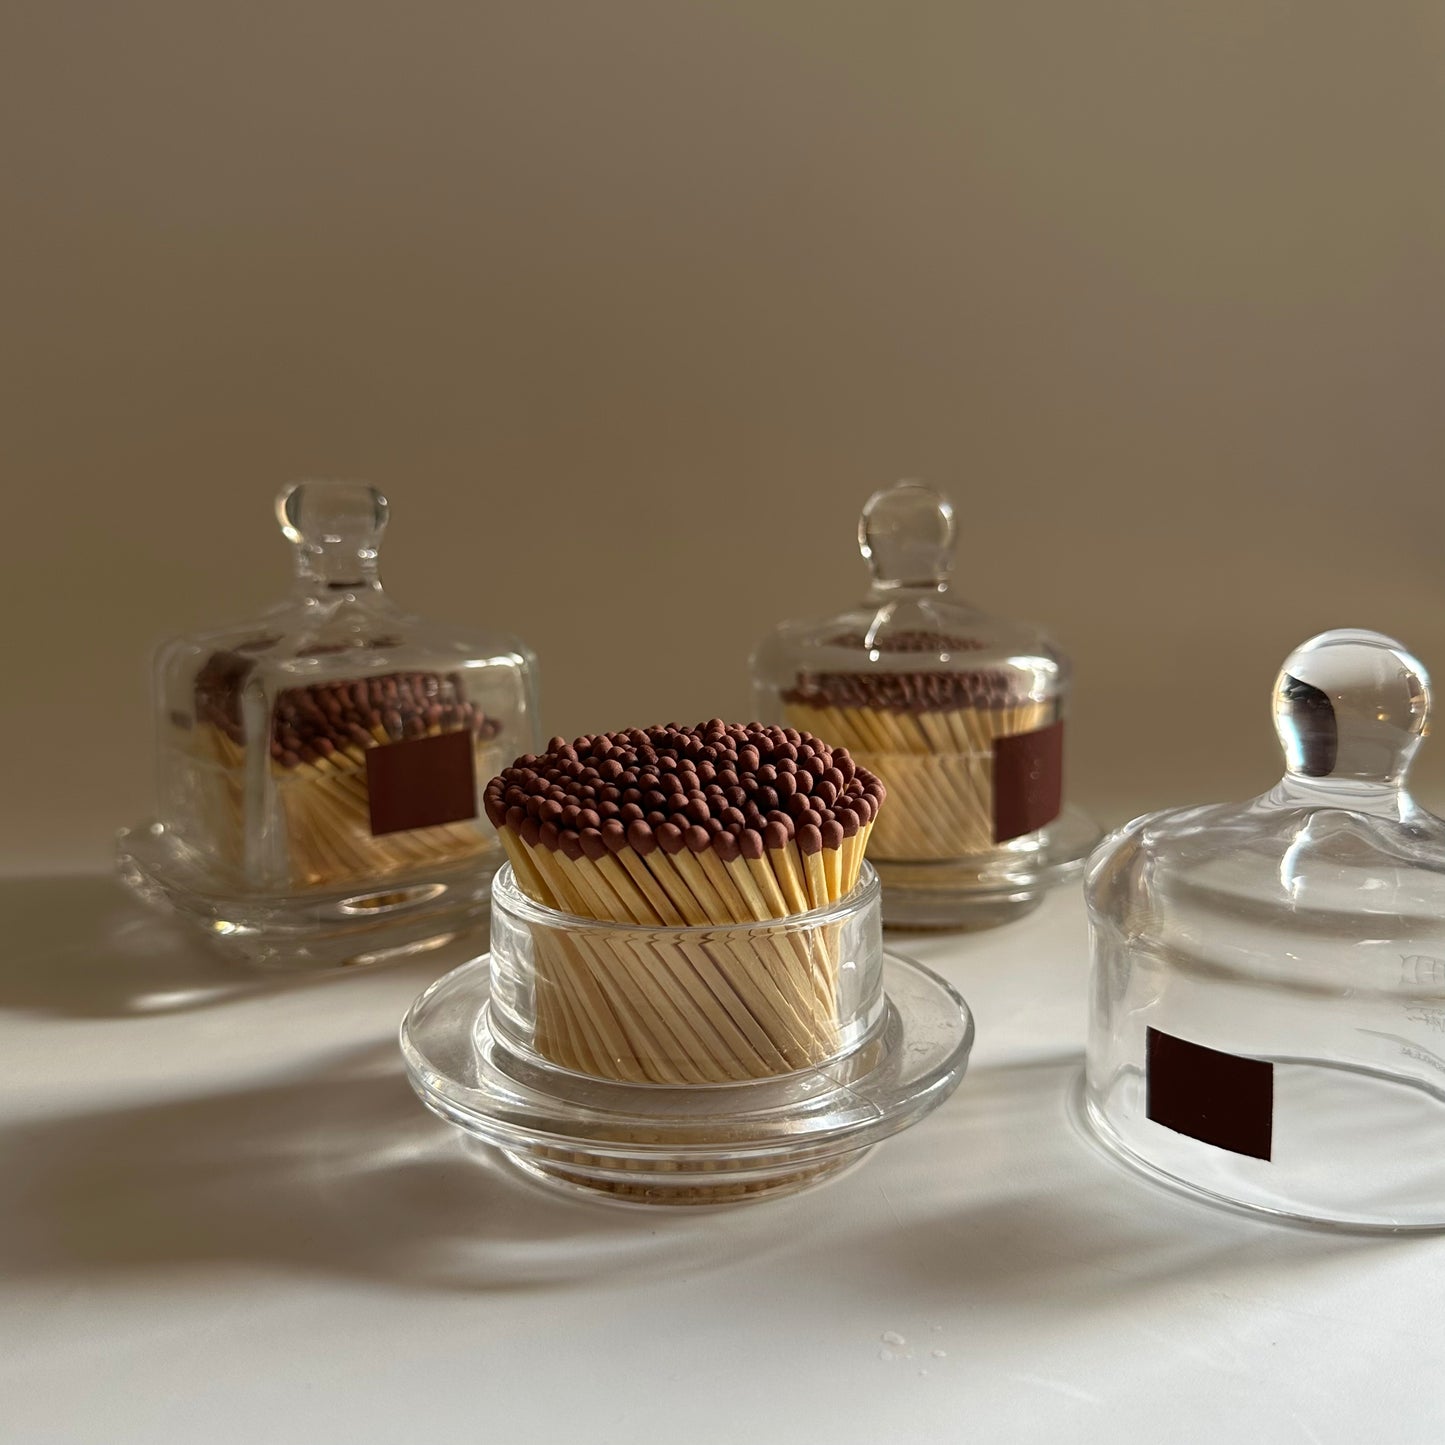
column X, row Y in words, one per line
column 687, row 1000
column 961, row 714
column 320, row 767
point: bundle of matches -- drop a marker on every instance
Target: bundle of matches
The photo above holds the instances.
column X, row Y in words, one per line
column 674, row 827
column 320, row 743
column 932, row 737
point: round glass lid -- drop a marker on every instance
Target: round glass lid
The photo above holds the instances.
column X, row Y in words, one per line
column 1268, row 1007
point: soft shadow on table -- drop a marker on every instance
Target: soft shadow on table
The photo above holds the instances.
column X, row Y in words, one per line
column 84, row 948
column 339, row 1171
column 1055, row 1221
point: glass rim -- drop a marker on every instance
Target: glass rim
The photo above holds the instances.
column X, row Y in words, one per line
column 509, row 898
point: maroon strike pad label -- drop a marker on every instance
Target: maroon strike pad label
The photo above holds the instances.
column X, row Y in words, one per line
column 421, row 782
column 1028, row 781
column 1217, row 1098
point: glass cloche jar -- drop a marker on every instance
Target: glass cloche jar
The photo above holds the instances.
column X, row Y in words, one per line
column 1267, row 1019
column 959, row 713
column 319, row 768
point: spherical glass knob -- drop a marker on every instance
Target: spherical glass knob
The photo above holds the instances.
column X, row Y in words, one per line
column 906, row 536
column 1351, row 705
column 336, row 528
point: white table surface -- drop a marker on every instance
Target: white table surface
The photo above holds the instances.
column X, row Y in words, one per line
column 225, row 1218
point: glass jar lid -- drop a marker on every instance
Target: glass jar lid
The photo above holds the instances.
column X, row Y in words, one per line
column 911, row 640
column 319, row 765
column 1268, row 1000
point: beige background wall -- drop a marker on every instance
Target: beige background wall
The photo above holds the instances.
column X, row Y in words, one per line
column 628, row 306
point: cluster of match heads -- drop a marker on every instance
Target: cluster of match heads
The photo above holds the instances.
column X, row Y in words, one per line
column 760, row 821
column 931, row 689
column 328, row 717
column 907, row 691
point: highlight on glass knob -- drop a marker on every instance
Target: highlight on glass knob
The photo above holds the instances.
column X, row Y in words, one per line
column 335, row 526
column 906, row 536
column 1351, row 705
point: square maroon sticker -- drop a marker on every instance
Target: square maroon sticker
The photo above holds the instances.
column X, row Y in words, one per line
column 421, row 782
column 1217, row 1098
column 1028, row 781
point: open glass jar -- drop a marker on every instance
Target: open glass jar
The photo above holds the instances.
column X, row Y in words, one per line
column 1267, row 1021
column 685, row 1066
column 319, row 767
column 961, row 715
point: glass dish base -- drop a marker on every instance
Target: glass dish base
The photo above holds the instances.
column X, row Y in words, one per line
column 353, row 927
column 984, row 892
column 1357, row 1152
column 686, row 1146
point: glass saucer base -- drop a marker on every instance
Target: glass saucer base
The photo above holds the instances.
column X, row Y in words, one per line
column 988, row 890
column 705, row 1146
column 698, row 1190
column 359, row 926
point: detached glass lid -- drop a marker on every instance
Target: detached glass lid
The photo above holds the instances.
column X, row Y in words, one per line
column 959, row 712
column 1268, row 1003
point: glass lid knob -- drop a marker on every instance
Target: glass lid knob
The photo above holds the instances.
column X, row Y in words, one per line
column 906, row 536
column 1353, row 706
column 336, row 528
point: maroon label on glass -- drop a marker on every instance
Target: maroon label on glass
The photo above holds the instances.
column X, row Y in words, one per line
column 1217, row 1098
column 421, row 782
column 1028, row 781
